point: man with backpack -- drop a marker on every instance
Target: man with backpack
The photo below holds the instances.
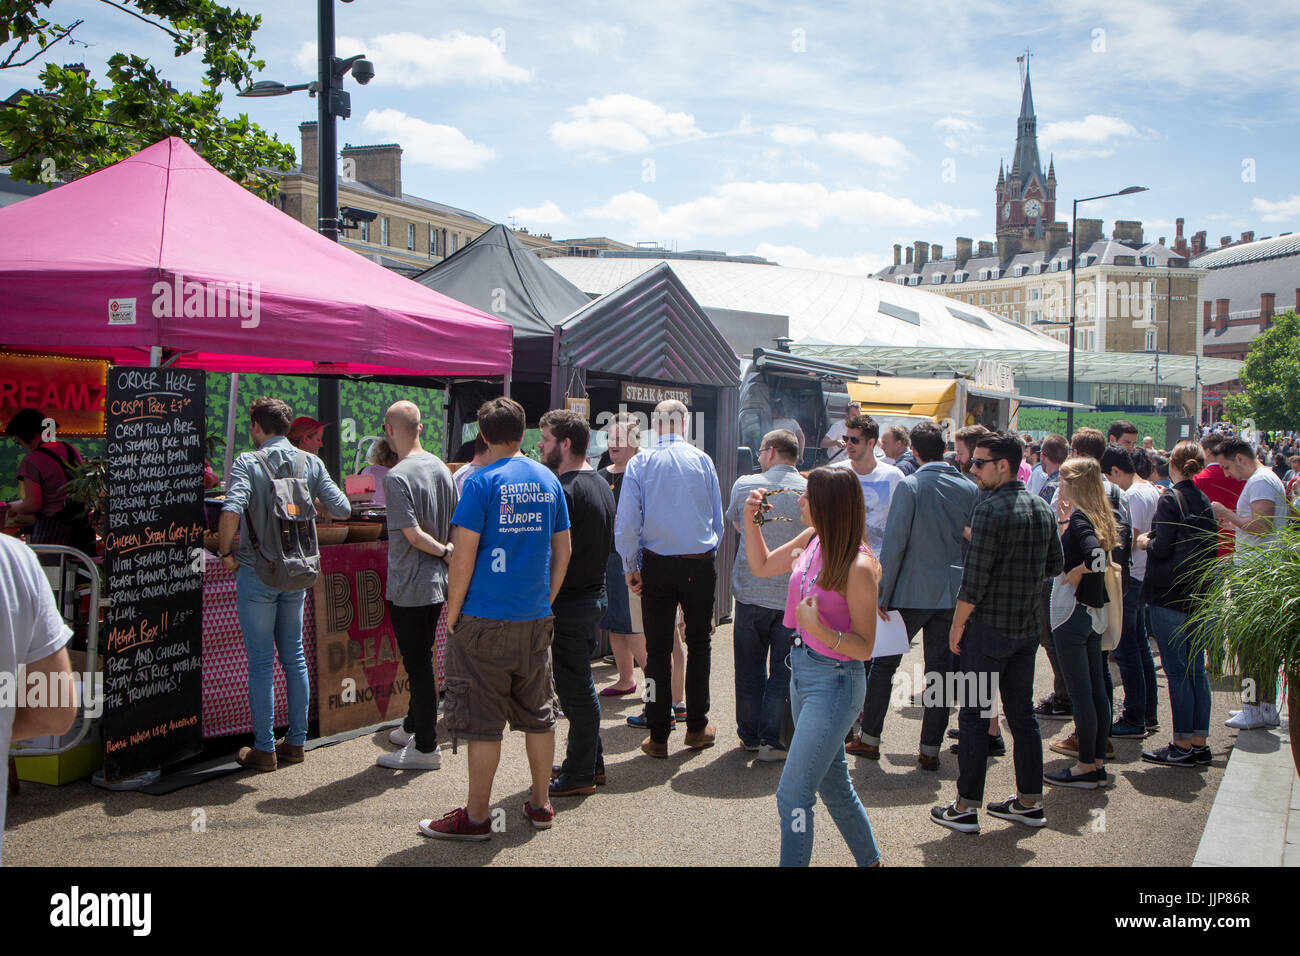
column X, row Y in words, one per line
column 270, row 502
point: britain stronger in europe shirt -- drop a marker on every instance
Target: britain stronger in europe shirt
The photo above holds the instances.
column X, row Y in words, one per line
column 514, row 505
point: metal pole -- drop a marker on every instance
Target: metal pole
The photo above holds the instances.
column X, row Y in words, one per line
column 326, row 140
column 1074, row 269
column 230, row 428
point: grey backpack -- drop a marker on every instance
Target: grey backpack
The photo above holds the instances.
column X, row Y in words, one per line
column 285, row 553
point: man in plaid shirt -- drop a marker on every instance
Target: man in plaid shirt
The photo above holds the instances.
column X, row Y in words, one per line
column 1014, row 546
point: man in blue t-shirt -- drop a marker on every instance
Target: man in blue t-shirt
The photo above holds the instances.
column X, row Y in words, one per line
column 511, row 550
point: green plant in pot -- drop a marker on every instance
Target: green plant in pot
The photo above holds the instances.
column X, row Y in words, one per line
column 1249, row 619
column 88, row 486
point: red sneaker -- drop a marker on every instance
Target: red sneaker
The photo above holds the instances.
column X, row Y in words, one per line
column 541, row 819
column 457, row 826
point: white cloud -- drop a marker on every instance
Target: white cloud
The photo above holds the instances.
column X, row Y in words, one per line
column 860, row 264
column 443, row 147
column 1283, row 210
column 960, row 134
column 741, row 207
column 547, row 214
column 877, row 150
column 596, row 37
column 1092, row 130
column 793, row 135
column 411, row 60
column 622, row 123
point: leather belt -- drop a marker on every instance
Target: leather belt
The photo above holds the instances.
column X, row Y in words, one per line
column 702, row 556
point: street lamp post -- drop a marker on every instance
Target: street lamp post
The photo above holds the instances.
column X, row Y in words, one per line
column 331, row 101
column 1074, row 275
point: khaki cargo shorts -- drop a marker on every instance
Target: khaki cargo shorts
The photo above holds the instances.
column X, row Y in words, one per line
column 499, row 672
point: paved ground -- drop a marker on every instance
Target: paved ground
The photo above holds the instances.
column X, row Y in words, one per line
column 714, row 807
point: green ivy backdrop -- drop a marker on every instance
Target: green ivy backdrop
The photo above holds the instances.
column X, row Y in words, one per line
column 362, row 402
column 1052, row 420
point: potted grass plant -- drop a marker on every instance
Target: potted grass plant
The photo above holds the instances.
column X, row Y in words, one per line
column 1249, row 619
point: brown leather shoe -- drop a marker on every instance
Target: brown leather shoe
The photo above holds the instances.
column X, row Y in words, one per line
column 288, row 753
column 600, row 776
column 857, row 748
column 699, row 739
column 927, row 763
column 255, row 759
column 653, row 749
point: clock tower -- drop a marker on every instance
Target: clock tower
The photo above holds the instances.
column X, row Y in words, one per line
column 1025, row 197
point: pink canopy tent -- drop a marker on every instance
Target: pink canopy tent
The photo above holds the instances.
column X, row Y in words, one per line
column 162, row 250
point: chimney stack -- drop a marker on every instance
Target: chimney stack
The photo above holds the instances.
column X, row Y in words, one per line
column 1225, row 241
column 308, row 158
column 963, row 249
column 378, row 166
column 920, row 257
column 985, row 248
column 1162, row 240
column 898, row 254
column 936, row 253
column 1198, row 243
column 1090, row 231
column 1220, row 315
column 909, row 255
column 1127, row 231
column 1178, row 224
column 1248, row 236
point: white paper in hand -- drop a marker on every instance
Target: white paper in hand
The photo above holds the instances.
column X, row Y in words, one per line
column 891, row 636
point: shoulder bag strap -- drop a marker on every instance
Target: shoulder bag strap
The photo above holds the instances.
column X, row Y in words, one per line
column 63, row 463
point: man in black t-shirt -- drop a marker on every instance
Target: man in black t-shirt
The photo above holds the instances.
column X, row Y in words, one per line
column 580, row 604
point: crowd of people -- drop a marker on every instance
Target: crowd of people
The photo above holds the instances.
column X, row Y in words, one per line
column 1089, row 547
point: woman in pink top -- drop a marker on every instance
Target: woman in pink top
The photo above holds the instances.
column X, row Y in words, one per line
column 832, row 604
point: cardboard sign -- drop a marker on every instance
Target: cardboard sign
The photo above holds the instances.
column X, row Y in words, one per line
column 360, row 679
column 68, row 390
column 153, row 558
column 635, row 392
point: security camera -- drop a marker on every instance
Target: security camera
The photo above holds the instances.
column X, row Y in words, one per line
column 363, row 71
column 357, row 215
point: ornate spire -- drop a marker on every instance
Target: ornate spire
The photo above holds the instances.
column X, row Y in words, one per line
column 1027, row 163
column 1001, row 178
column 1051, row 168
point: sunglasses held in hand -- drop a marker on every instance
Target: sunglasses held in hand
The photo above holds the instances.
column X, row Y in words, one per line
column 761, row 517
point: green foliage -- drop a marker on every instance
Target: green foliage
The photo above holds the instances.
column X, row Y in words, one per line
column 1053, row 420
column 1271, row 378
column 1250, row 615
column 74, row 127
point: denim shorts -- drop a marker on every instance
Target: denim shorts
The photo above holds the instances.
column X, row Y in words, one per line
column 618, row 616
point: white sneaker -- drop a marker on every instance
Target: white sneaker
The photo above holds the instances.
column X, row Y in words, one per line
column 399, row 737
column 1250, row 718
column 1269, row 713
column 769, row 754
column 408, row 758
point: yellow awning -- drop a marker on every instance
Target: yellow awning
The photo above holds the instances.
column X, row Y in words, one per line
column 932, row 397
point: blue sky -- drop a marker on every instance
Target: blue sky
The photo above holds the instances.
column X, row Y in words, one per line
column 816, row 135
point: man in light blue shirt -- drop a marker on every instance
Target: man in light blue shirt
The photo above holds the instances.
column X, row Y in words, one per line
column 667, row 533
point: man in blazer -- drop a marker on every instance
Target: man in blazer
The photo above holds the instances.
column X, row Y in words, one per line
column 921, row 564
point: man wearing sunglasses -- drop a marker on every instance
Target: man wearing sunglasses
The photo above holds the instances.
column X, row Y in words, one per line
column 878, row 480
column 1013, row 547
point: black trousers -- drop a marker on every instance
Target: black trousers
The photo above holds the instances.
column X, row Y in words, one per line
column 669, row 582
column 414, row 628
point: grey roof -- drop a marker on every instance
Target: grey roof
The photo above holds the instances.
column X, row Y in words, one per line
column 14, row 190
column 1272, row 248
column 1233, row 335
column 1242, row 284
column 499, row 275
column 649, row 327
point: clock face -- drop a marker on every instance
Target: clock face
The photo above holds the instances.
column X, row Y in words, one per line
column 1033, row 209
column 1006, row 211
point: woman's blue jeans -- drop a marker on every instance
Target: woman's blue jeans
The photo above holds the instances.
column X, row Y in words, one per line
column 824, row 698
column 1189, row 684
column 271, row 621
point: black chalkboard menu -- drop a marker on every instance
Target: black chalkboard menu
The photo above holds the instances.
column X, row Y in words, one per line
column 153, row 561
